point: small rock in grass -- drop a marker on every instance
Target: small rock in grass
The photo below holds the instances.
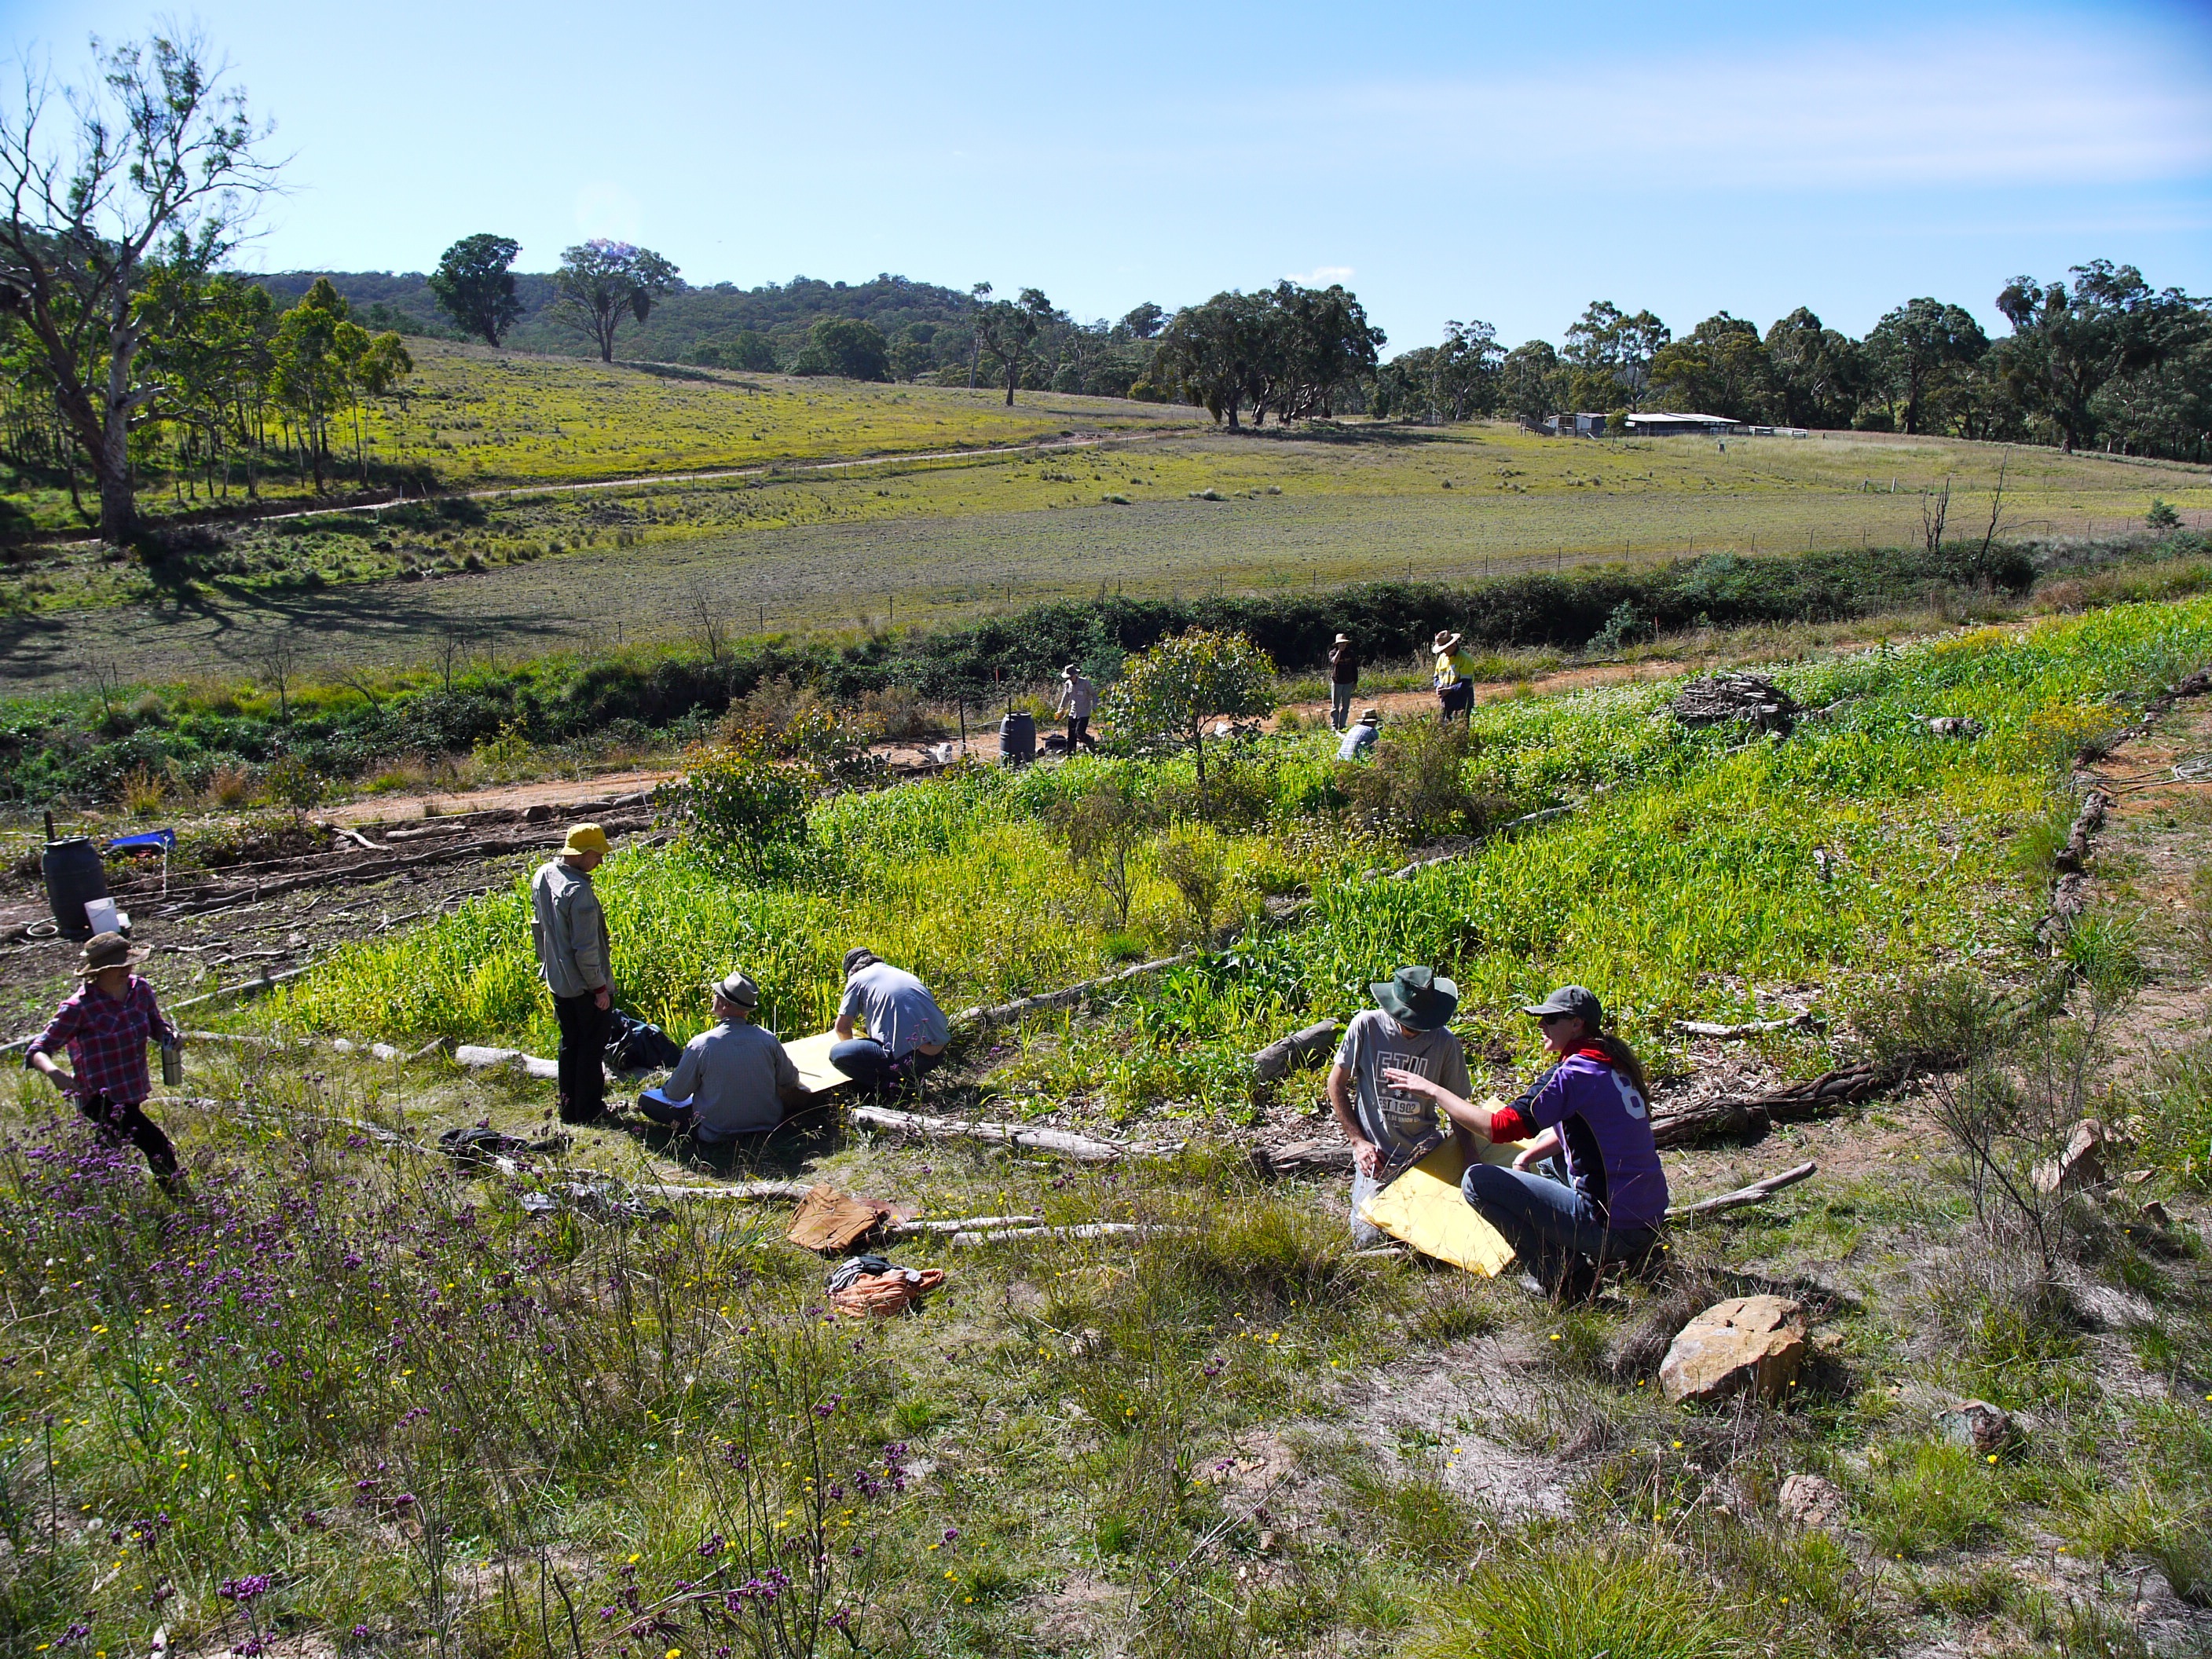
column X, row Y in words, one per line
column 2156, row 1214
column 1978, row 1425
column 1813, row 1501
column 1754, row 1342
column 2081, row 1164
column 1826, row 1339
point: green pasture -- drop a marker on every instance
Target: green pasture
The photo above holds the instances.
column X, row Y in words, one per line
column 474, row 417
column 1686, row 878
column 914, row 543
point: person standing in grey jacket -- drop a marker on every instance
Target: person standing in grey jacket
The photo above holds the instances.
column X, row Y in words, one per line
column 570, row 932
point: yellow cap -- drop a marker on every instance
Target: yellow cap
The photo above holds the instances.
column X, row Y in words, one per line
column 586, row 838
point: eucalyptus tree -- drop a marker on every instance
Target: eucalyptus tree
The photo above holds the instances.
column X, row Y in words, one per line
column 1917, row 350
column 600, row 282
column 154, row 159
column 2067, row 345
column 473, row 286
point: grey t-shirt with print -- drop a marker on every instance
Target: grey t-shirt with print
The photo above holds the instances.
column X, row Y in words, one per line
column 1403, row 1126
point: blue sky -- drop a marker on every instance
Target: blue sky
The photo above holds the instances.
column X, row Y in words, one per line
column 1447, row 161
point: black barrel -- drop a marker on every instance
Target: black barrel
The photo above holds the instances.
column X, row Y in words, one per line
column 1016, row 739
column 74, row 874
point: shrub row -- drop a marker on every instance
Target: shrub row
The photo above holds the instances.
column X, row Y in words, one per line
column 59, row 752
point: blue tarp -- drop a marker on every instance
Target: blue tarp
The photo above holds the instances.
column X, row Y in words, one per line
column 164, row 839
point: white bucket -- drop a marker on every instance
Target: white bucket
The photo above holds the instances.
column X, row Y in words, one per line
column 102, row 914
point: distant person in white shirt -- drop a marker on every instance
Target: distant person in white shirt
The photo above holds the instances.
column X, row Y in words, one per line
column 1078, row 697
column 906, row 1033
column 734, row 1079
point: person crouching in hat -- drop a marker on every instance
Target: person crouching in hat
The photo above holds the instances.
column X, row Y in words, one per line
column 734, row 1079
column 907, row 1032
column 1343, row 680
column 1078, row 697
column 104, row 1025
column 1453, row 677
column 1591, row 1108
column 1359, row 742
column 570, row 932
column 1390, row 1126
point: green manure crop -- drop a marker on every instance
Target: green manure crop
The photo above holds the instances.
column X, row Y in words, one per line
column 958, row 880
column 1697, row 868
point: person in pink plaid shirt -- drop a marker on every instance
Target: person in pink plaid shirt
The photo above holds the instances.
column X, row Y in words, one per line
column 105, row 1026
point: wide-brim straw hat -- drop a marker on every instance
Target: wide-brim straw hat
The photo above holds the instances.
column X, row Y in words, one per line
column 1419, row 997
column 1344, row 639
column 1448, row 641
column 586, row 838
column 105, row 950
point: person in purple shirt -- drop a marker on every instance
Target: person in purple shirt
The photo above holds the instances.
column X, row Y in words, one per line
column 1591, row 1113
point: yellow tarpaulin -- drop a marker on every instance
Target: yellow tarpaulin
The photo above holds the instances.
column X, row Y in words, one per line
column 1424, row 1208
column 811, row 1056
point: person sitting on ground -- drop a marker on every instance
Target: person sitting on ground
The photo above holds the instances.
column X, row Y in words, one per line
column 105, row 1025
column 734, row 1079
column 1343, row 679
column 906, row 1035
column 1593, row 1108
column 1078, row 697
column 1360, row 739
column 1391, row 1126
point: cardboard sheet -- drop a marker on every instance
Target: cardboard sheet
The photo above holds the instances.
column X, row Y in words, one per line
column 811, row 1056
column 1423, row 1208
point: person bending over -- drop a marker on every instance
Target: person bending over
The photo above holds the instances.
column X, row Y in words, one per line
column 906, row 1035
column 734, row 1079
column 1390, row 1125
column 1591, row 1111
column 104, row 1025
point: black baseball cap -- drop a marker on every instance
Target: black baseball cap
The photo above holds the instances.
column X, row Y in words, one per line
column 1570, row 999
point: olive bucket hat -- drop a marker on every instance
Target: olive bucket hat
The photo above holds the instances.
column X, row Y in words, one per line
column 1417, row 997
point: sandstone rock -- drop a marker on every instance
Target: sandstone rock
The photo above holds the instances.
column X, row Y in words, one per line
column 1754, row 1342
column 1978, row 1425
column 1813, row 1500
column 2081, row 1164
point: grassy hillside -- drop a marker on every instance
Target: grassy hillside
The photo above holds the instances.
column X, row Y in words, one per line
column 1147, row 510
column 362, row 1398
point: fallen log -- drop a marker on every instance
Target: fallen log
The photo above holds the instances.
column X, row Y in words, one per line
column 1304, row 1157
column 972, row 1223
column 1273, row 1063
column 1006, row 1013
column 1758, row 1192
column 1093, row 1229
column 1808, row 1021
column 1061, row 1143
column 1744, row 1114
column 477, row 1058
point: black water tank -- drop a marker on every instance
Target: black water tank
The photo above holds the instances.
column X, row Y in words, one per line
column 1016, row 739
column 74, row 874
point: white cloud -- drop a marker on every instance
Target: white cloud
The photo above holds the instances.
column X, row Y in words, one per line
column 1321, row 275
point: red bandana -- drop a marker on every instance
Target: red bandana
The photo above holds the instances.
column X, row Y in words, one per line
column 1597, row 1054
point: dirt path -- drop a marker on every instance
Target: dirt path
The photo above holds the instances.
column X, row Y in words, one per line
column 2157, row 836
column 643, row 480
